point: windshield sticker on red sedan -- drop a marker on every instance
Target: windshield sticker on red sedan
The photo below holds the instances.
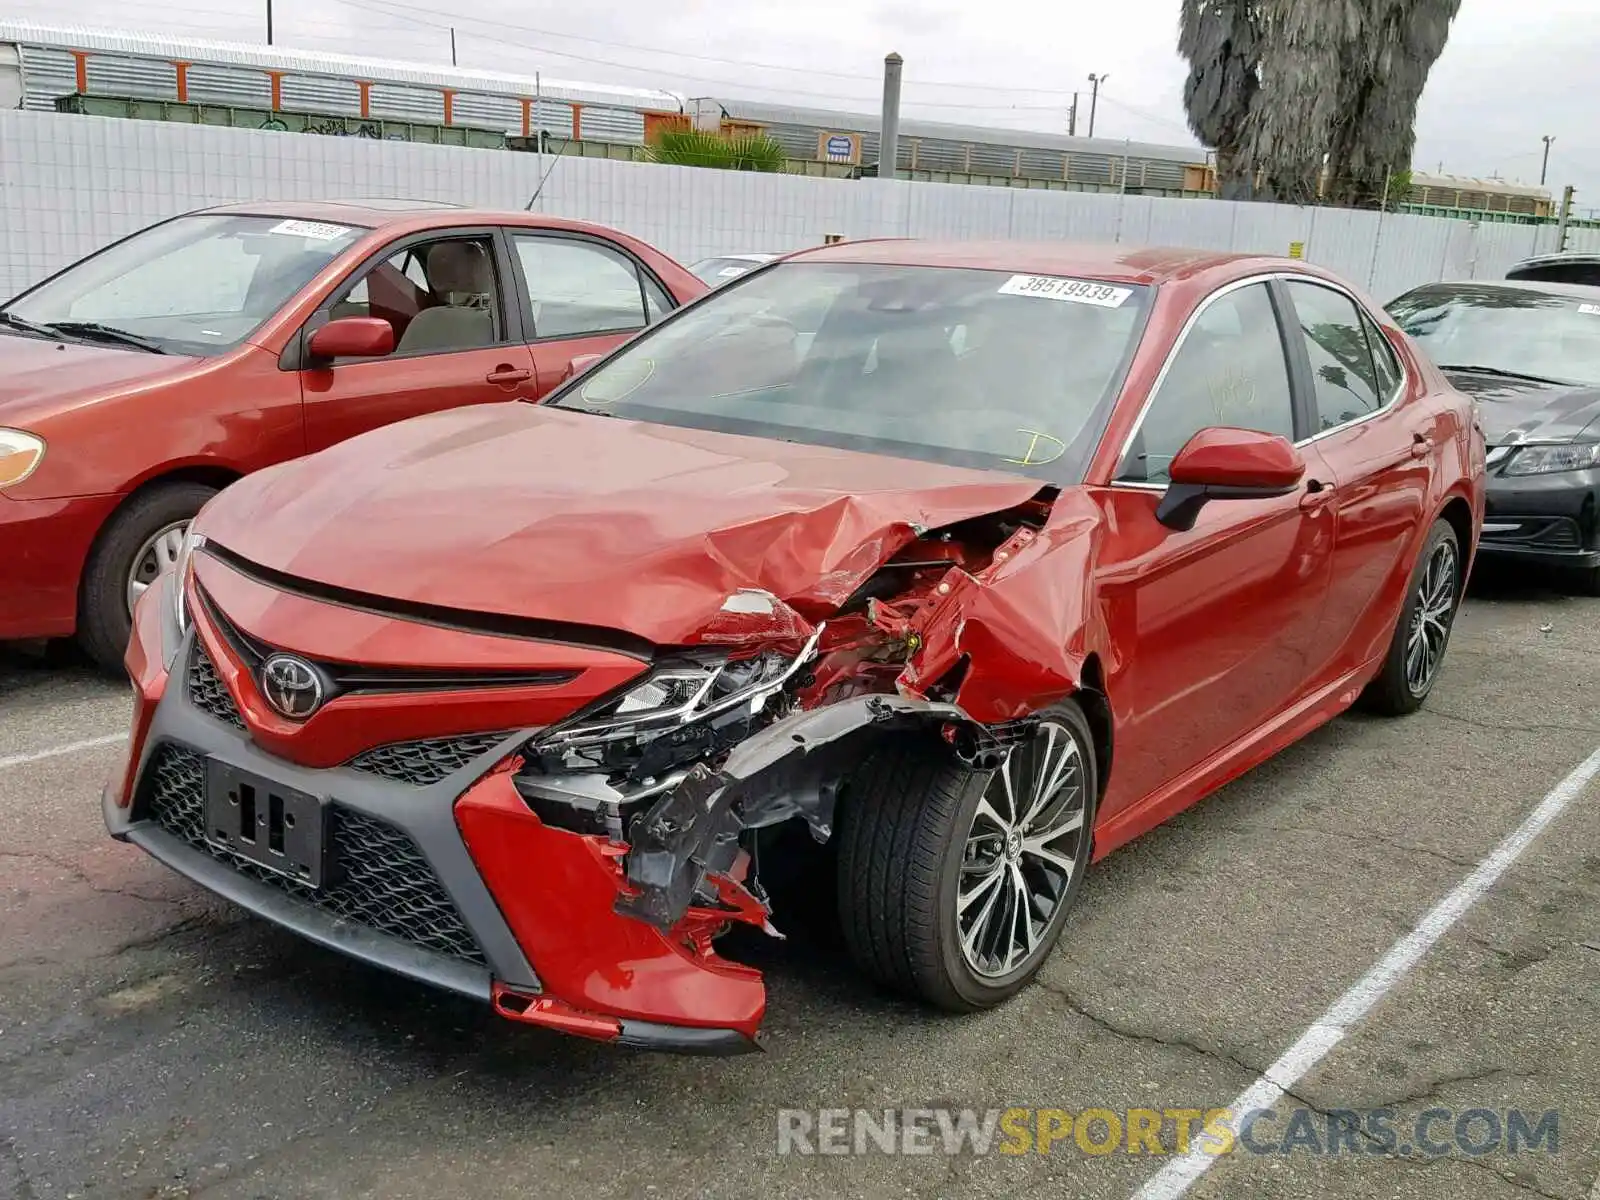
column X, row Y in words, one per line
column 317, row 231
column 1076, row 291
column 1592, row 310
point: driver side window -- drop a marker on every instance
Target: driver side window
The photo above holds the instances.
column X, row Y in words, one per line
column 1230, row 370
column 441, row 296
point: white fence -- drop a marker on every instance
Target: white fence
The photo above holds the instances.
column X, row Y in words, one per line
column 71, row 183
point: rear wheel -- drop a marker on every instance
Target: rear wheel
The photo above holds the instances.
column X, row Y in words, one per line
column 140, row 542
column 1422, row 634
column 955, row 884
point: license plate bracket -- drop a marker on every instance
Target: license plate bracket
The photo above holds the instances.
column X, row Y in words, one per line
column 276, row 827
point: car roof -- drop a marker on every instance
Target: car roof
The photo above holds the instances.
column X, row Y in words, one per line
column 1118, row 263
column 1576, row 291
column 389, row 214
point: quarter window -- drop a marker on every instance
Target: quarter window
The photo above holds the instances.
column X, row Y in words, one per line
column 1383, row 358
column 578, row 287
column 440, row 296
column 1230, row 370
column 1347, row 382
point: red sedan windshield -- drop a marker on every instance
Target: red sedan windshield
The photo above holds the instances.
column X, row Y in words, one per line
column 975, row 368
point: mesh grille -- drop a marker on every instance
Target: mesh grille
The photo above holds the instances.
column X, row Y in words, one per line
column 206, row 690
column 379, row 877
column 423, row 762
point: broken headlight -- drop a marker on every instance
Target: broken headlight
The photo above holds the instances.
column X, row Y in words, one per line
column 674, row 696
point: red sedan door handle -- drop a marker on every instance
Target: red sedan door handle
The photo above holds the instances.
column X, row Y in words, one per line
column 1421, row 445
column 505, row 375
column 1317, row 494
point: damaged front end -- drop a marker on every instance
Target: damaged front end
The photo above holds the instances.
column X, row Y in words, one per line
column 764, row 720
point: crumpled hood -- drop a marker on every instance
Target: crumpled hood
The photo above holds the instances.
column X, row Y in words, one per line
column 1517, row 410
column 542, row 514
column 40, row 378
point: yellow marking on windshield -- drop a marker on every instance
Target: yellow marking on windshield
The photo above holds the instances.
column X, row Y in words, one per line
column 599, row 401
column 1035, row 438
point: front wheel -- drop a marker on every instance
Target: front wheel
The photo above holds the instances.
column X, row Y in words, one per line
column 954, row 884
column 138, row 544
column 1422, row 633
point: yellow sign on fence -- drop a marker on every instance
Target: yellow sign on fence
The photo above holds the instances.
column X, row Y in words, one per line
column 1297, row 249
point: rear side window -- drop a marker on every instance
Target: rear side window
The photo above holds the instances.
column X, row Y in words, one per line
column 1383, row 361
column 580, row 287
column 1335, row 334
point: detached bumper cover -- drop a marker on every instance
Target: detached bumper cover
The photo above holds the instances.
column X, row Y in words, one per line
column 1551, row 518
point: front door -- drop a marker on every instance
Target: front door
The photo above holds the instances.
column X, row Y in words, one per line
column 457, row 337
column 1220, row 617
column 582, row 295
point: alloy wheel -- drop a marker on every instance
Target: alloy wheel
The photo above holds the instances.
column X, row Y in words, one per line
column 1431, row 618
column 1027, row 843
column 158, row 555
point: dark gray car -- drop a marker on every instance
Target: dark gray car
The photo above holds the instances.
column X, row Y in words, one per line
column 1529, row 353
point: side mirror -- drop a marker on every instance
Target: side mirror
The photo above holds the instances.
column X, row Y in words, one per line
column 1223, row 463
column 353, row 337
column 579, row 364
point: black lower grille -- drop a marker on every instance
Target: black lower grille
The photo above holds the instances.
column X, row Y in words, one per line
column 206, row 689
column 423, row 762
column 378, row 876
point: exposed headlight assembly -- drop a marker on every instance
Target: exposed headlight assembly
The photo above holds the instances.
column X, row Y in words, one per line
column 1540, row 460
column 676, row 696
column 20, row 455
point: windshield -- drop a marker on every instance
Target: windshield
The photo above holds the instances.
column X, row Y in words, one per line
column 1515, row 330
column 195, row 285
column 975, row 368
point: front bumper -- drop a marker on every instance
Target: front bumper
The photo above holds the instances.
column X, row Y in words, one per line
column 1549, row 518
column 453, row 882
column 45, row 543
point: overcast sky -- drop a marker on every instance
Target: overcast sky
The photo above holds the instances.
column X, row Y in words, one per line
column 1514, row 70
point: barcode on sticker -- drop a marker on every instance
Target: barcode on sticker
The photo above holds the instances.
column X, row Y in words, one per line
column 318, row 231
column 1592, row 310
column 1077, row 291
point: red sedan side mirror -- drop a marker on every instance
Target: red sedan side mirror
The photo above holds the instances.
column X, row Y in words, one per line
column 353, row 337
column 579, row 364
column 1223, row 463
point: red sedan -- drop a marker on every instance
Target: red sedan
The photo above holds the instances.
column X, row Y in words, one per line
column 975, row 562
column 140, row 380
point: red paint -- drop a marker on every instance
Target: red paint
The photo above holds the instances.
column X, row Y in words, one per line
column 449, row 104
column 557, row 889
column 80, row 71
column 182, row 68
column 577, row 122
column 277, row 89
column 228, row 415
column 527, row 117
column 148, row 673
column 1224, row 457
column 364, row 90
column 353, row 337
column 1215, row 647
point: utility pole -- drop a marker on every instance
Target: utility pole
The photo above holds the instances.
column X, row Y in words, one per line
column 1545, row 166
column 1566, row 215
column 1094, row 96
column 1072, row 117
column 889, row 128
column 452, row 45
column 269, row 22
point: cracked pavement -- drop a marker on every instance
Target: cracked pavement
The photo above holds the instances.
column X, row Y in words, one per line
column 155, row 1043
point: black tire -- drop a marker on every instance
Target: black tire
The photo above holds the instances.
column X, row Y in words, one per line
column 1589, row 581
column 903, row 835
column 104, row 622
column 1393, row 693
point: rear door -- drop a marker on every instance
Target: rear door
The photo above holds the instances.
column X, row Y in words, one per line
column 458, row 336
column 1219, row 618
column 1382, row 455
column 580, row 295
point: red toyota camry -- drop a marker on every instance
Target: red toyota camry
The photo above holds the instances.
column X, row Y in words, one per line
column 972, row 561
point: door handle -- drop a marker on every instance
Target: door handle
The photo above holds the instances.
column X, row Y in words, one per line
column 508, row 374
column 1421, row 445
column 1317, row 495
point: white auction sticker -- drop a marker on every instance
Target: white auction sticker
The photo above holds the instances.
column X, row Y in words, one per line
column 1592, row 310
column 730, row 272
column 318, row 231
column 1077, row 291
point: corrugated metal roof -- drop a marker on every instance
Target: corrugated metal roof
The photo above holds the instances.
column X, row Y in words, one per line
column 319, row 62
column 1463, row 183
column 782, row 114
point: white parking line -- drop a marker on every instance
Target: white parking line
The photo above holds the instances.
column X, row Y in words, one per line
column 1176, row 1178
column 19, row 760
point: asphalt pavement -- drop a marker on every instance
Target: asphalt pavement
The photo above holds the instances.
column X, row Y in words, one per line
column 155, row 1042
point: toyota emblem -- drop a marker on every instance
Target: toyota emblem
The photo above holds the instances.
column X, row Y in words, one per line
column 292, row 686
